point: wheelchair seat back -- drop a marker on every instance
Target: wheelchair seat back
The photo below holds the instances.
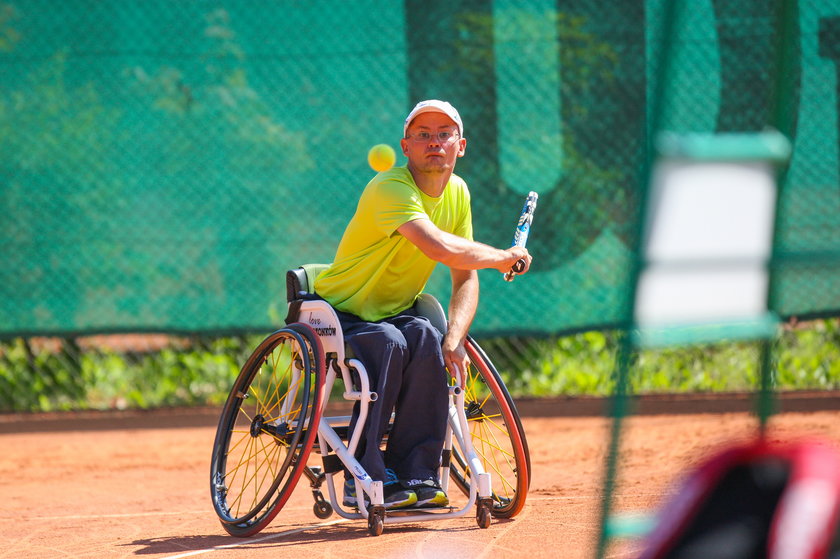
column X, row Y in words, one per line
column 317, row 313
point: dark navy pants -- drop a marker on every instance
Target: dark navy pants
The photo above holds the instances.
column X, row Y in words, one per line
column 403, row 359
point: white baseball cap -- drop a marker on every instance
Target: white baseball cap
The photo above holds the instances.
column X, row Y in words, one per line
column 434, row 106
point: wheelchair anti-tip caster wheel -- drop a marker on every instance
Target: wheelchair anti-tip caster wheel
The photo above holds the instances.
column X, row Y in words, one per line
column 376, row 520
column 322, row 510
column 482, row 513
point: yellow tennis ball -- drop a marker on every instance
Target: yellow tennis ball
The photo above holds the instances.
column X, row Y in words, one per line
column 381, row 157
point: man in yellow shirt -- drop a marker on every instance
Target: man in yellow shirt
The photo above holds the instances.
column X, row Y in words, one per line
column 408, row 219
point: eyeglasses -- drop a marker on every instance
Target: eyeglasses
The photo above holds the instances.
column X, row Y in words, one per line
column 444, row 137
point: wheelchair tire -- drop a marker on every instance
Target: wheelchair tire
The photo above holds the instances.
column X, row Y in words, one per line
column 497, row 437
column 267, row 429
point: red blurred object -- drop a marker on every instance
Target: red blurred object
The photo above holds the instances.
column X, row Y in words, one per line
column 763, row 499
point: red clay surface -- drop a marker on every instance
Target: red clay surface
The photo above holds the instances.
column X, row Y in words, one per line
column 136, row 484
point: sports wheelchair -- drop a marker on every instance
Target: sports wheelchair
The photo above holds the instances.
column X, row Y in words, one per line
column 276, row 414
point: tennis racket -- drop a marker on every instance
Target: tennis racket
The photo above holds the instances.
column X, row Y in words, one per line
column 520, row 236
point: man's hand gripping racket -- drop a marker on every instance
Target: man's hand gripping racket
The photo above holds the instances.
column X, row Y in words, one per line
column 520, row 236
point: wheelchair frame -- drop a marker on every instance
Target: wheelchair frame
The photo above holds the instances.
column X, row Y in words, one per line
column 316, row 358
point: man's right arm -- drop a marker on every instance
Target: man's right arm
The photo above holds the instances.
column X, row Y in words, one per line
column 457, row 252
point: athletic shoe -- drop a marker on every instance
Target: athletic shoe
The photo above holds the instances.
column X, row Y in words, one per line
column 394, row 494
column 429, row 494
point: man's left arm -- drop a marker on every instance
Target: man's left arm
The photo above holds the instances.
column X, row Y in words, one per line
column 462, row 306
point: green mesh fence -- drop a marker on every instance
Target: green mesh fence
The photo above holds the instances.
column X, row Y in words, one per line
column 163, row 163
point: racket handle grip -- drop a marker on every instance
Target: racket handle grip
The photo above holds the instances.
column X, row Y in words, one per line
column 517, row 269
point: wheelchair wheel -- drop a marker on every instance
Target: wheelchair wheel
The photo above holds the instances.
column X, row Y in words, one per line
column 497, row 437
column 267, row 429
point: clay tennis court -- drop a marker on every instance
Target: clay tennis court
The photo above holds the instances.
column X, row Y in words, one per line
column 135, row 484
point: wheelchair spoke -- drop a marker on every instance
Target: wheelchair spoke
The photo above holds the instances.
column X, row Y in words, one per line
column 497, row 459
column 248, row 459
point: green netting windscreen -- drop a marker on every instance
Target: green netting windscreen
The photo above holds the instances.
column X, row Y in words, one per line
column 163, row 163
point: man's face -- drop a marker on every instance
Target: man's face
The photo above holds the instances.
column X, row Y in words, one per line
column 433, row 143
